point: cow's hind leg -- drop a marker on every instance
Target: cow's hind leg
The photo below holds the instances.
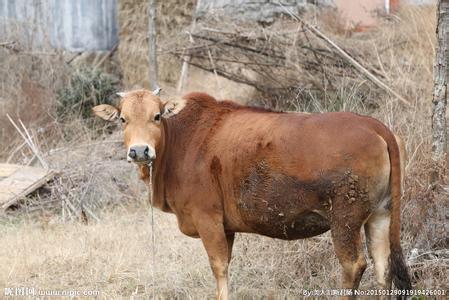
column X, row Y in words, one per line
column 349, row 251
column 346, row 224
column 377, row 230
column 218, row 248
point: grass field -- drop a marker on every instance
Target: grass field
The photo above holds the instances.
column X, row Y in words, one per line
column 115, row 257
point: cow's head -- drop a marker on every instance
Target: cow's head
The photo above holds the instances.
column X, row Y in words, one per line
column 140, row 113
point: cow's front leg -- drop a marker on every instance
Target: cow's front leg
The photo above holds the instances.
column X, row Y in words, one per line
column 215, row 240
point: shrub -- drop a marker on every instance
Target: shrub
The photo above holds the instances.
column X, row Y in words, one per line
column 87, row 87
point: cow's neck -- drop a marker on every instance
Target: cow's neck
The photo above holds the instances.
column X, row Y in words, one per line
column 155, row 182
column 159, row 172
column 169, row 154
column 177, row 133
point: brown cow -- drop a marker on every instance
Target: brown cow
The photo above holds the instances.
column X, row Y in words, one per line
column 223, row 168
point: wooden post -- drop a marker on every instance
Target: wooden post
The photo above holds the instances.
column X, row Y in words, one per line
column 439, row 101
column 186, row 59
column 152, row 36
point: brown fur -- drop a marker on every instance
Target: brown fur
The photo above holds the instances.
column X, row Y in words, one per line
column 224, row 168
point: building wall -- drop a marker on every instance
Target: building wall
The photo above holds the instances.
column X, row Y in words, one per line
column 80, row 25
column 84, row 24
column 356, row 12
column 255, row 10
column 360, row 13
column 25, row 21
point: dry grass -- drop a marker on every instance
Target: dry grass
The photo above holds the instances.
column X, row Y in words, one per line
column 44, row 250
column 114, row 256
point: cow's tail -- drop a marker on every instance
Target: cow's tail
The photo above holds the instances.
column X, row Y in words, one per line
column 398, row 268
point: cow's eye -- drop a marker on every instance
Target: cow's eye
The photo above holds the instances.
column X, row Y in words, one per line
column 157, row 117
column 122, row 120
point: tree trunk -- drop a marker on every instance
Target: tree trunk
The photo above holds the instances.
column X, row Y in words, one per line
column 152, row 73
column 439, row 102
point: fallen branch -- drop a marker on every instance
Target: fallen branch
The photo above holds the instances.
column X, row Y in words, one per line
column 73, row 58
column 107, row 55
column 245, row 48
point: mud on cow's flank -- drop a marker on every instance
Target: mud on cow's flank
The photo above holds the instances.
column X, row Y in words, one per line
column 271, row 198
column 269, row 201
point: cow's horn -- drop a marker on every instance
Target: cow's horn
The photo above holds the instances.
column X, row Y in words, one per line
column 157, row 91
column 122, row 94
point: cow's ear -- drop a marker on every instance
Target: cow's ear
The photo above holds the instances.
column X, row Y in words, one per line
column 172, row 107
column 106, row 112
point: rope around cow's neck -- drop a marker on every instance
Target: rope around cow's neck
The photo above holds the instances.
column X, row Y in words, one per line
column 153, row 239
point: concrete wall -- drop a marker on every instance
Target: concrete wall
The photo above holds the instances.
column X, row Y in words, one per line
column 25, row 21
column 75, row 25
column 267, row 10
column 84, row 24
column 258, row 10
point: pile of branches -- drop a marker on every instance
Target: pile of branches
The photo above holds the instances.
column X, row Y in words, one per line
column 282, row 59
column 92, row 173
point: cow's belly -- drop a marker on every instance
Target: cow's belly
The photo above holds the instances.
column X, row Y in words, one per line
column 305, row 225
column 281, row 206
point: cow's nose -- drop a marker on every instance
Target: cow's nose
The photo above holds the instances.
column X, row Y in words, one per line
column 132, row 153
column 141, row 153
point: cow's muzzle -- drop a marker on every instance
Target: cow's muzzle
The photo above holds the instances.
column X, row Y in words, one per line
column 141, row 154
